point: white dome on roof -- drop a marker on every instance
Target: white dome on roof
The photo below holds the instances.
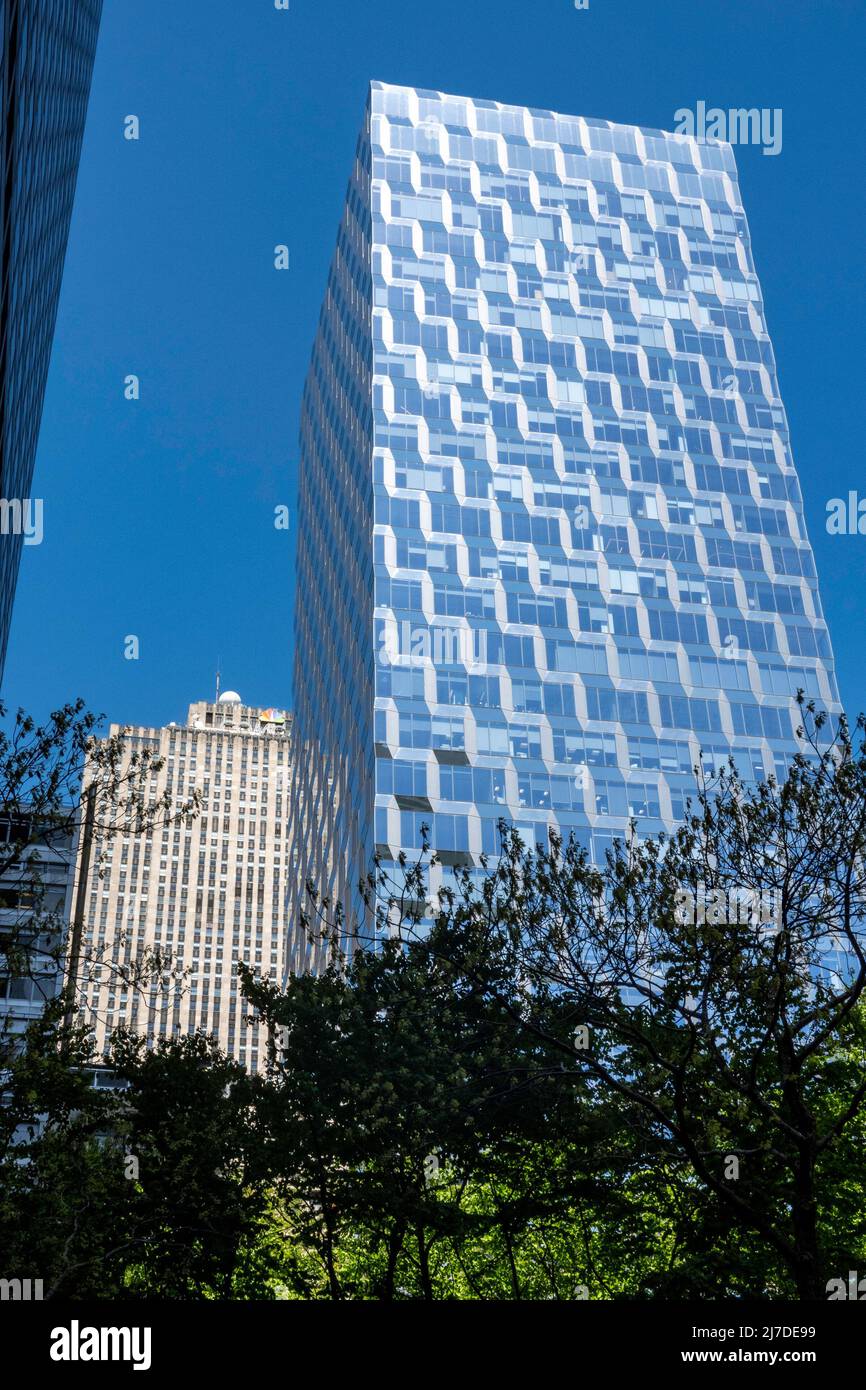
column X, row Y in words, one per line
column 229, row 697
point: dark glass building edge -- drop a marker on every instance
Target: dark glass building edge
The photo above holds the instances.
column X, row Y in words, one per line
column 47, row 49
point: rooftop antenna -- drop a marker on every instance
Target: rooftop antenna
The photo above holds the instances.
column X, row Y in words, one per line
column 218, row 682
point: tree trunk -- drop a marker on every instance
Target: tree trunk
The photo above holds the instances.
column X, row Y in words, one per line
column 424, row 1265
column 804, row 1216
column 395, row 1245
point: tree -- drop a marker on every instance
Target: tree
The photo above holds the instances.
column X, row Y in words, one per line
column 714, row 981
column 57, row 778
column 554, row 1080
column 416, row 1143
column 64, row 1204
column 191, row 1154
column 154, row 1188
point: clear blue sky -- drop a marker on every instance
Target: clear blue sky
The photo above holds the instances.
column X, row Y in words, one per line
column 159, row 513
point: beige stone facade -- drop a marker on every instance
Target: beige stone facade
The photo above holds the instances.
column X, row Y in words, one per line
column 209, row 893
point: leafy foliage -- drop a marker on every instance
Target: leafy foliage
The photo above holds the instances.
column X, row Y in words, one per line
column 563, row 1081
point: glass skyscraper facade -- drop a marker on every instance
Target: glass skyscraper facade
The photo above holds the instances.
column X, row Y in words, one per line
column 551, row 540
column 46, row 60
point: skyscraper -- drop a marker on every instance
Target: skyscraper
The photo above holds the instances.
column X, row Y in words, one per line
column 207, row 894
column 551, row 540
column 46, row 59
column 36, row 863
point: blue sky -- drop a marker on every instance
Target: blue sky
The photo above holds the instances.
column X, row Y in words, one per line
column 159, row 513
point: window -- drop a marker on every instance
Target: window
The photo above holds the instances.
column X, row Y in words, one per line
column 524, row 739
column 415, row 730
column 401, row 778
column 447, row 731
column 643, row 799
